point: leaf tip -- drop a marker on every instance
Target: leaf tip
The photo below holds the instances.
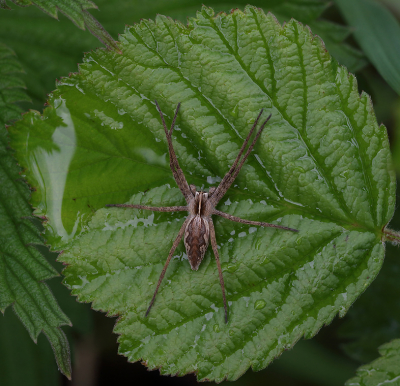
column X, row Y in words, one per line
column 206, row 11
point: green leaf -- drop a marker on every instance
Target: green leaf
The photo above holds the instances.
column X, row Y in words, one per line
column 23, row 269
column 309, row 362
column 76, row 11
column 385, row 370
column 48, row 48
column 375, row 317
column 378, row 34
column 11, row 86
column 396, row 145
column 3, row 5
column 24, row 363
column 321, row 166
column 333, row 36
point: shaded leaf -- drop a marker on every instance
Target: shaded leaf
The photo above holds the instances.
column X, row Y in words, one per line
column 3, row 5
column 11, row 86
column 49, row 49
column 385, row 370
column 309, row 363
column 314, row 169
column 333, row 36
column 23, row 269
column 375, row 318
column 71, row 8
column 76, row 11
column 396, row 145
column 16, row 347
column 378, row 34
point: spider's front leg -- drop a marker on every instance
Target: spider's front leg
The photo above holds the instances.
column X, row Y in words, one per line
column 227, row 181
column 249, row 222
column 235, row 168
column 176, row 172
column 173, row 161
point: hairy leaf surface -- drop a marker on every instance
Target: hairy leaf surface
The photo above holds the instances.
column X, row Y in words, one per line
column 322, row 166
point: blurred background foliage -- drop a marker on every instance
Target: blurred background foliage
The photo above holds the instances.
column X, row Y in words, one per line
column 364, row 35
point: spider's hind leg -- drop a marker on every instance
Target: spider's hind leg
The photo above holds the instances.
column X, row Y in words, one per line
column 171, row 253
column 221, row 279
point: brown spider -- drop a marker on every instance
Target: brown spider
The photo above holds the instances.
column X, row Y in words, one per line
column 198, row 227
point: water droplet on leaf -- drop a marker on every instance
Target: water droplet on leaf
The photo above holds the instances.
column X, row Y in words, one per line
column 259, row 304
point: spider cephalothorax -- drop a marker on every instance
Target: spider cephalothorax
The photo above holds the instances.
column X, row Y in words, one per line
column 198, row 228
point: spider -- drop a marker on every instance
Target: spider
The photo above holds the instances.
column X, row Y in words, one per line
column 198, row 227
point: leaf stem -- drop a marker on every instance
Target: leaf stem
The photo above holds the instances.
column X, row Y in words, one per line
column 392, row 236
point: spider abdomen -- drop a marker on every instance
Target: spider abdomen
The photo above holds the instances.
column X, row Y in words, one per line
column 196, row 239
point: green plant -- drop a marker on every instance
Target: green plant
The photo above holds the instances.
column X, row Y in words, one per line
column 323, row 167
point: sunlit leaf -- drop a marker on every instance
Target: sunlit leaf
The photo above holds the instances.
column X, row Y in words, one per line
column 322, row 166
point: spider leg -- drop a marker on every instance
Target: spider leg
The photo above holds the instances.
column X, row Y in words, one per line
column 235, row 169
column 153, row 208
column 173, row 161
column 221, row 279
column 258, row 223
column 171, row 252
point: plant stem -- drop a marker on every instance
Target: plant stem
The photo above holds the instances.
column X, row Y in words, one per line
column 392, row 236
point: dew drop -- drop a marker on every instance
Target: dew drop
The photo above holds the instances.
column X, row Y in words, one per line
column 216, row 328
column 259, row 304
